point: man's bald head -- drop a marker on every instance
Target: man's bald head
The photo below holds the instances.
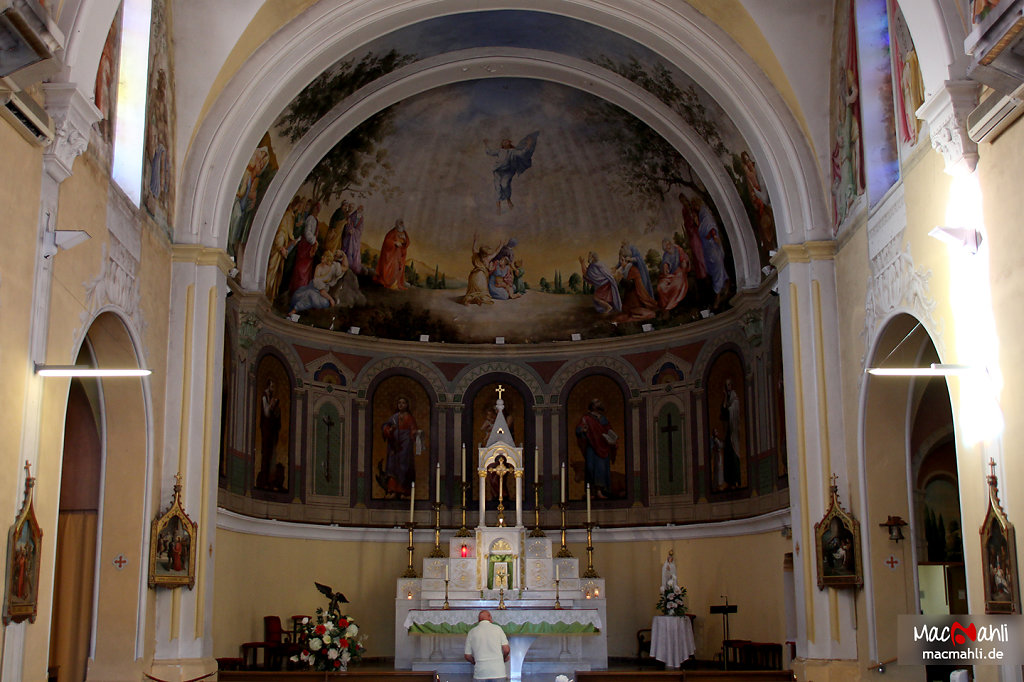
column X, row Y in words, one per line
column 484, row 615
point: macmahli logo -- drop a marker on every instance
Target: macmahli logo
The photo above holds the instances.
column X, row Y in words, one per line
column 964, row 639
column 959, row 634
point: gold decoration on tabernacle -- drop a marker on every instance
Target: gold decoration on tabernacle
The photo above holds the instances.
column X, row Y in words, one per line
column 500, row 546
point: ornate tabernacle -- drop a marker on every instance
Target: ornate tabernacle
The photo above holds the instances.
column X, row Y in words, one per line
column 498, row 567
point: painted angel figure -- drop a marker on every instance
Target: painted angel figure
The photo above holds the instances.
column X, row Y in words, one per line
column 509, row 162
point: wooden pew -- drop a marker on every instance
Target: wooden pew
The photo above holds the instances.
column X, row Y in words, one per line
column 686, row 675
column 313, row 676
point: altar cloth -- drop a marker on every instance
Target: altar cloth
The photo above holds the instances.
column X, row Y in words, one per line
column 512, row 621
column 671, row 640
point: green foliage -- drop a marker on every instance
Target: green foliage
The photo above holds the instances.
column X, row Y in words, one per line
column 649, row 166
column 575, row 282
column 358, row 164
column 545, row 285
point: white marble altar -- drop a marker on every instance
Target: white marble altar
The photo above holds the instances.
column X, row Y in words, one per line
column 555, row 620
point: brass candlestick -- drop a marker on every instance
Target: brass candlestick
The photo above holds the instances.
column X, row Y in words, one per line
column 464, row 532
column 437, row 552
column 558, row 604
column 536, row 532
column 501, row 599
column 590, row 572
column 564, row 551
column 410, row 572
column 446, row 607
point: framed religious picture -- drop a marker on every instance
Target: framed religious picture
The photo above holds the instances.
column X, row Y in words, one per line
column 24, row 545
column 400, row 455
column 172, row 543
column 837, row 546
column 998, row 552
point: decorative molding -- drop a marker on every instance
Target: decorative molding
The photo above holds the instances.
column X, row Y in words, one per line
column 765, row 523
column 946, row 114
column 804, row 253
column 73, row 116
column 897, row 284
column 625, row 371
column 202, row 255
column 524, row 374
column 116, row 285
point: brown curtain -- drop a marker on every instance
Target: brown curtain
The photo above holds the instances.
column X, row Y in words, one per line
column 74, row 574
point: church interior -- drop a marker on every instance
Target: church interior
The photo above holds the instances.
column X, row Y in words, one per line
column 688, row 314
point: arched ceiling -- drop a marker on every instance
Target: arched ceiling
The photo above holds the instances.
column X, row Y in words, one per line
column 463, row 77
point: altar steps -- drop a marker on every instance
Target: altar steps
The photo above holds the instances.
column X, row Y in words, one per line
column 686, row 675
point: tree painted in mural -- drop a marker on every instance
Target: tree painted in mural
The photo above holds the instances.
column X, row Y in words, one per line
column 358, row 164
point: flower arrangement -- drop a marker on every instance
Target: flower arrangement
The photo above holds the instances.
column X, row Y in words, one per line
column 330, row 643
column 672, row 601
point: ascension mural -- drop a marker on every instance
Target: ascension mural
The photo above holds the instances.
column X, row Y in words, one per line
column 509, row 208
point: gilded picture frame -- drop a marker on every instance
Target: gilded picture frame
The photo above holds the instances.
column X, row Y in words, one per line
column 24, row 552
column 172, row 547
column 837, row 547
column 998, row 556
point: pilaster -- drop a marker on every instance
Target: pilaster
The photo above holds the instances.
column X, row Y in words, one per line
column 809, row 318
column 184, row 618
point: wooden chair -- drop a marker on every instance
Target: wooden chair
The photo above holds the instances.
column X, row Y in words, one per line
column 643, row 644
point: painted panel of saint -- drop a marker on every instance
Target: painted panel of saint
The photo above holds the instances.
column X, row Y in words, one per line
column 484, row 414
column 726, row 415
column 158, row 167
column 595, row 420
column 106, row 79
column 847, row 174
column 671, row 471
column 327, row 438
column 401, row 439
column 273, row 426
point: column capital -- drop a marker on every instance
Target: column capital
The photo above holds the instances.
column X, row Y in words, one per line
column 202, row 255
column 804, row 253
column 73, row 115
column 946, row 113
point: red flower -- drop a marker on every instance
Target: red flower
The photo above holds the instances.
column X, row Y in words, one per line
column 320, row 629
column 343, row 623
column 337, row 663
column 343, row 642
column 305, row 652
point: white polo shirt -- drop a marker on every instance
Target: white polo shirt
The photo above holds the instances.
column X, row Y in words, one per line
column 484, row 643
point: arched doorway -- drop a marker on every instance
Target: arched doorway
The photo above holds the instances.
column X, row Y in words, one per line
column 910, row 471
column 97, row 619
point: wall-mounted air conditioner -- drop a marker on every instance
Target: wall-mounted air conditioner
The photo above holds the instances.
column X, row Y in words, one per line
column 27, row 117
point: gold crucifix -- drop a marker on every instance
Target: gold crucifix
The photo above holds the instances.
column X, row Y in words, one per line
column 499, row 390
column 501, row 468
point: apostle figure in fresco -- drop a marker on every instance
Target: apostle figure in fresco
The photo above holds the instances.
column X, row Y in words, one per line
column 404, row 441
column 714, row 253
column 306, row 250
column 283, row 243
column 509, row 162
column 597, row 441
column 606, row 289
column 352, row 240
column 672, row 279
column 637, row 294
column 391, row 264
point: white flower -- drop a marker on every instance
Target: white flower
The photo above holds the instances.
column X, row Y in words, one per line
column 327, row 639
column 315, row 644
column 294, row 659
column 345, row 657
column 352, row 630
column 562, row 678
column 305, row 621
column 332, row 653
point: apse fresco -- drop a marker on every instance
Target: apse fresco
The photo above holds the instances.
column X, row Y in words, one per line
column 596, row 438
column 400, row 457
column 847, row 153
column 909, row 90
column 727, row 423
column 510, row 208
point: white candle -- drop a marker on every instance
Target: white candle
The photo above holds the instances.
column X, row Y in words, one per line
column 563, row 483
column 412, row 500
column 556, row 571
column 536, row 466
column 437, row 484
column 465, row 465
column 446, row 571
column 588, row 503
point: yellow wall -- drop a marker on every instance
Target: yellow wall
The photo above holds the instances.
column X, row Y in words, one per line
column 259, row 576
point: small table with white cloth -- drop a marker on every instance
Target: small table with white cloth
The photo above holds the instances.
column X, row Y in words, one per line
column 672, row 640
